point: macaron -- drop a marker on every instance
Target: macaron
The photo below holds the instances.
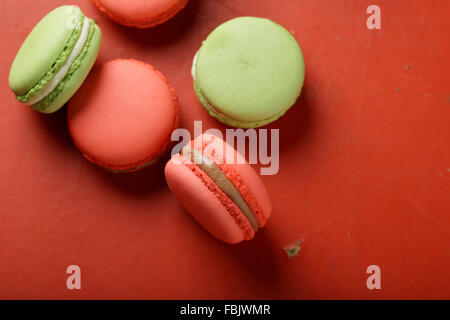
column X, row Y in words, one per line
column 222, row 192
column 55, row 59
column 248, row 72
column 123, row 116
column 140, row 13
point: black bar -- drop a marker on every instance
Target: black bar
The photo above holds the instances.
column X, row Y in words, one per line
column 230, row 309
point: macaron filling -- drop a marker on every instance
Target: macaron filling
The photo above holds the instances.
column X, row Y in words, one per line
column 65, row 67
column 220, row 179
column 194, row 63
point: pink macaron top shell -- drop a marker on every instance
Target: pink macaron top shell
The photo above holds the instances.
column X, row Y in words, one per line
column 239, row 172
column 140, row 13
column 123, row 115
column 206, row 203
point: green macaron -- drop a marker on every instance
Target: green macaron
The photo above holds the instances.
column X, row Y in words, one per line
column 55, row 59
column 248, row 72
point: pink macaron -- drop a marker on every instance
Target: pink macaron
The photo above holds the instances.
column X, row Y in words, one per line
column 219, row 189
column 123, row 116
column 140, row 13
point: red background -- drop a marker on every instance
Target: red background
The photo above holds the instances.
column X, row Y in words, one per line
column 364, row 167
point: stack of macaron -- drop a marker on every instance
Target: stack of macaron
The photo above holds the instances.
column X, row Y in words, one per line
column 247, row 73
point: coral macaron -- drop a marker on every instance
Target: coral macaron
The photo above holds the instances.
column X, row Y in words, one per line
column 219, row 189
column 140, row 13
column 123, row 116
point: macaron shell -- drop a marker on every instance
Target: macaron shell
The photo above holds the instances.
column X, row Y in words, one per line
column 77, row 79
column 140, row 13
column 230, row 121
column 203, row 204
column 123, row 115
column 239, row 172
column 44, row 49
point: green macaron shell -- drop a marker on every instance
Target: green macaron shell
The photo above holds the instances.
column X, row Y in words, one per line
column 230, row 121
column 76, row 75
column 44, row 52
column 249, row 72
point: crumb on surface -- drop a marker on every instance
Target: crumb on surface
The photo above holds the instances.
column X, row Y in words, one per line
column 398, row 89
column 408, row 67
column 292, row 250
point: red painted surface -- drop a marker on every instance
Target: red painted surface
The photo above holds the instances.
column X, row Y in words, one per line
column 364, row 167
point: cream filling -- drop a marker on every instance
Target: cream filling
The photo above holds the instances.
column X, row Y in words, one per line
column 66, row 66
column 214, row 172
